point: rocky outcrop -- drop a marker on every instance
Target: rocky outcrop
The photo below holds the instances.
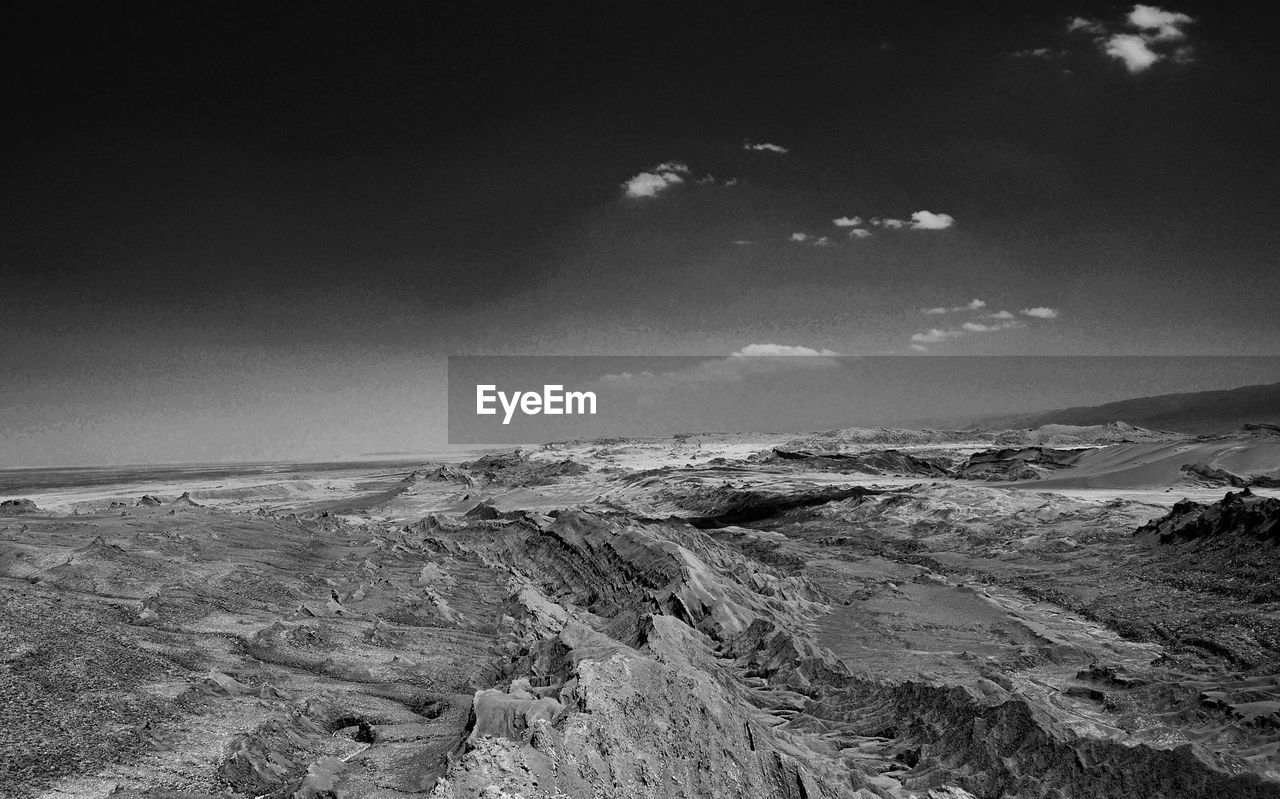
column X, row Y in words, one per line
column 17, row 507
column 884, row 461
column 519, row 469
column 1238, row 518
column 1018, row 463
column 1212, row 475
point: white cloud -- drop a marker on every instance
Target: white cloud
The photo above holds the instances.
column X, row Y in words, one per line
column 1001, row 321
column 980, row 327
column 1142, row 38
column 731, row 182
column 1087, row 25
column 847, row 221
column 1038, row 52
column 753, row 359
column 1132, row 49
column 765, row 147
column 936, row 336
column 888, row 223
column 656, row 180
column 971, row 305
column 927, row 220
column 780, row 349
column 1166, row 24
column 1040, row 312
column 813, row 241
column 859, row 233
column 743, row 242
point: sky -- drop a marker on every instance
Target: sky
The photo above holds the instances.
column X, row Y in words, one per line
column 247, row 231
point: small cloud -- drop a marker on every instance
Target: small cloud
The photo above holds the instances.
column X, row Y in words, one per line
column 893, row 224
column 1038, row 52
column 847, row 221
column 1000, row 315
column 927, row 220
column 859, row 233
column 656, row 180
column 980, row 327
column 765, row 147
column 731, row 182
column 702, row 181
column 1142, row 38
column 1132, row 50
column 971, row 305
column 751, row 360
column 780, row 349
column 743, row 242
column 919, row 348
column 1166, row 24
column 813, row 241
column 1040, row 312
column 800, row 237
column 935, row 336
column 1087, row 25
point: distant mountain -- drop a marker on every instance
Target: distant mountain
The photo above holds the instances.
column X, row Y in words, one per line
column 1196, row 412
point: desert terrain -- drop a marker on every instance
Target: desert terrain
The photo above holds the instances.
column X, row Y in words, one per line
column 1055, row 612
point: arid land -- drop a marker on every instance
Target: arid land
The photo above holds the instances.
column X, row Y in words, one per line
column 1059, row 612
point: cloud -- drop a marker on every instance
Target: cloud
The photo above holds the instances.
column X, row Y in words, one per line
column 731, row 182
column 1166, row 24
column 927, row 220
column 980, row 327
column 859, row 233
column 753, row 359
column 935, row 336
column 1039, row 52
column 893, row 224
column 1087, row 25
column 765, row 147
column 847, row 221
column 1040, row 312
column 656, row 180
column 971, row 305
column 1132, row 50
column 1142, row 38
column 780, row 349
column 743, row 242
column 813, row 241
column 1001, row 321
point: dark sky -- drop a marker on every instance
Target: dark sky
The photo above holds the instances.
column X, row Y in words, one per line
column 256, row 230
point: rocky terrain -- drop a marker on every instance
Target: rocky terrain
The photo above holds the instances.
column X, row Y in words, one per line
column 1051, row 613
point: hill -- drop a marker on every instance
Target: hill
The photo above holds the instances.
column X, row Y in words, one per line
column 1199, row 412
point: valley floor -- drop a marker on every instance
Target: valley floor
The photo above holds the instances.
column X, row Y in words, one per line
column 693, row 617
